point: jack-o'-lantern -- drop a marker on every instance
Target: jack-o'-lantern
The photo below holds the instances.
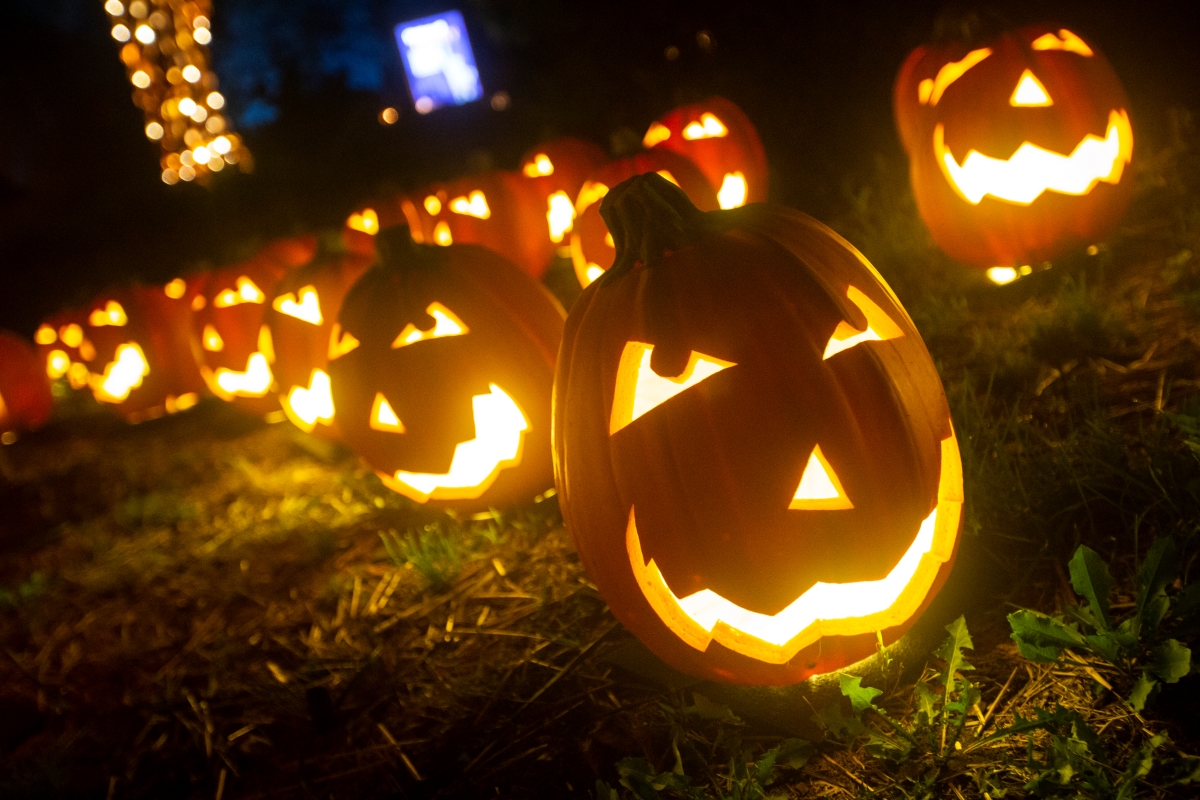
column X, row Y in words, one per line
column 753, row 450
column 25, row 399
column 1018, row 146
column 592, row 247
column 64, row 348
column 557, row 170
column 140, row 359
column 302, row 316
column 498, row 210
column 231, row 341
column 441, row 368
column 358, row 234
column 724, row 144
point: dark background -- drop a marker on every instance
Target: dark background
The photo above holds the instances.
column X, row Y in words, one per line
column 82, row 206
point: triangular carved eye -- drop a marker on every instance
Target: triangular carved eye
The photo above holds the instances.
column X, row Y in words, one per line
column 819, row 489
column 383, row 417
column 639, row 388
column 446, row 323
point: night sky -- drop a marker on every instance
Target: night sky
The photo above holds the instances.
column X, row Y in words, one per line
column 83, row 206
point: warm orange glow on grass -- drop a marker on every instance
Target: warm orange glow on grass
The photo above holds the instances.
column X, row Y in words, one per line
column 307, row 310
column 709, row 127
column 445, row 323
column 474, row 205
column 500, row 428
column 880, row 326
column 931, row 91
column 819, row 489
column 1032, row 170
column 306, row 407
column 247, row 292
column 825, row 609
column 732, row 193
column 121, row 375
column 1002, row 275
column 640, row 389
column 560, row 216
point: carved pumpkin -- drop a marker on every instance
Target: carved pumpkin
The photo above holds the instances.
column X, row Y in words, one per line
column 498, row 210
column 1018, row 146
column 140, row 361
column 63, row 347
column 557, row 170
column 25, row 399
column 592, row 249
column 753, row 450
column 302, row 316
column 441, row 374
column 724, row 144
column 231, row 342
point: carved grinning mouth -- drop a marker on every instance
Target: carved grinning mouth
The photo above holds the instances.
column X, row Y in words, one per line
column 825, row 609
column 1032, row 170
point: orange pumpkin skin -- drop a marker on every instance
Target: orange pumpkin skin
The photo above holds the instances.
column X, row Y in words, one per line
column 510, row 219
column 432, row 384
column 980, row 111
column 301, row 328
column 718, row 154
column 25, row 399
column 591, row 252
column 168, row 311
column 231, row 342
column 707, row 474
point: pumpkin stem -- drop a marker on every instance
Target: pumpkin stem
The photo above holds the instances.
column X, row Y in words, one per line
column 648, row 215
column 394, row 247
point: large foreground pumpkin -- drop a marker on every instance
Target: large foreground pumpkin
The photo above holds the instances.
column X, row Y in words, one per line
column 753, row 449
column 1018, row 146
column 441, row 368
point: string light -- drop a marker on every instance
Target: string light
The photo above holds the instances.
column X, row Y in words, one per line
column 164, row 46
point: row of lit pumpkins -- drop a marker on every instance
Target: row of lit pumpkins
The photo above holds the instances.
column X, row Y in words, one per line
column 751, row 444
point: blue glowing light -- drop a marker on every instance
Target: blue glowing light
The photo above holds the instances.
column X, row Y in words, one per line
column 438, row 61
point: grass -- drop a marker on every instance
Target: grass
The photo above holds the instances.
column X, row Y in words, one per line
column 209, row 606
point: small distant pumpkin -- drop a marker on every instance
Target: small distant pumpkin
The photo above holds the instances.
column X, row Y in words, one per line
column 592, row 247
column 557, row 170
column 302, row 317
column 231, row 341
column 1018, row 146
column 724, row 144
column 63, row 347
column 441, row 370
column 25, row 399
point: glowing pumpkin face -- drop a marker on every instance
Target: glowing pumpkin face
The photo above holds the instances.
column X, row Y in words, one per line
column 753, row 450
column 501, row 211
column 556, row 171
column 592, row 247
column 441, row 366
column 231, row 341
column 63, row 347
column 721, row 140
column 1018, row 147
column 302, row 316
column 25, row 399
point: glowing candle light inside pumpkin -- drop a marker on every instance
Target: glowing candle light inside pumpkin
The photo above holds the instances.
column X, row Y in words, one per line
column 111, row 314
column 499, row 430
column 442, row 235
column 446, row 323
column 474, row 205
column 367, row 221
column 307, row 310
column 122, row 375
column 732, row 193
column 560, row 215
column 313, row 404
column 539, row 167
column 709, row 127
